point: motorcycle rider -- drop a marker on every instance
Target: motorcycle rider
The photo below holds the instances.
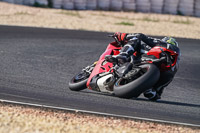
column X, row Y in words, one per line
column 140, row 44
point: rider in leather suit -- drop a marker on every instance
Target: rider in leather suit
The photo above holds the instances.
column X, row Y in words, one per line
column 141, row 44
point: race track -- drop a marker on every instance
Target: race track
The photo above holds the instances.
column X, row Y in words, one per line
column 36, row 65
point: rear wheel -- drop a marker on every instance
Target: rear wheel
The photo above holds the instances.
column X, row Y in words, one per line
column 137, row 81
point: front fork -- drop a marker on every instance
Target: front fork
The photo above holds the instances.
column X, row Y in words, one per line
column 90, row 68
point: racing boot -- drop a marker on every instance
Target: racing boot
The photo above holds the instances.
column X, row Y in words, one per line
column 123, row 57
column 160, row 91
column 152, row 94
column 120, row 58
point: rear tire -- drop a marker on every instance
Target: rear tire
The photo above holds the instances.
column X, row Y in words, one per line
column 138, row 85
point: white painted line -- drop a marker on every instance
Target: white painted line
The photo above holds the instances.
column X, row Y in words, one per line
column 98, row 113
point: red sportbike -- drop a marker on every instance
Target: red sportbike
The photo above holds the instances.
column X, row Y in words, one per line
column 128, row 79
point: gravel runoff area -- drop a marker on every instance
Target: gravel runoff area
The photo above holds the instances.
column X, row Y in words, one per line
column 25, row 119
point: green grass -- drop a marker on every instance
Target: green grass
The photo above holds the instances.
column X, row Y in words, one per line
column 125, row 23
column 150, row 19
column 119, row 17
column 147, row 19
column 182, row 21
column 71, row 13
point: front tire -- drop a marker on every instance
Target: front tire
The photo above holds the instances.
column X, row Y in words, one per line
column 128, row 89
column 79, row 82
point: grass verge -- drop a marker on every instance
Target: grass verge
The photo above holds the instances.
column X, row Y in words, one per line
column 125, row 23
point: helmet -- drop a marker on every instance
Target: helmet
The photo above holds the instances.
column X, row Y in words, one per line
column 170, row 40
column 121, row 37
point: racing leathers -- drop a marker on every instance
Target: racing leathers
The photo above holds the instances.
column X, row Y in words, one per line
column 140, row 44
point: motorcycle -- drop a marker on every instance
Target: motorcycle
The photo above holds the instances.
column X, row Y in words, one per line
column 125, row 80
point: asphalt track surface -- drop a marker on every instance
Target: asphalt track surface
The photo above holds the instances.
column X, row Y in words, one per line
column 36, row 65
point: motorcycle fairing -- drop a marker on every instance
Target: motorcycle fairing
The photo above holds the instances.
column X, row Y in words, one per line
column 156, row 51
column 102, row 66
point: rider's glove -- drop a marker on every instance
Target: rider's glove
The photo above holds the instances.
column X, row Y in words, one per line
column 121, row 37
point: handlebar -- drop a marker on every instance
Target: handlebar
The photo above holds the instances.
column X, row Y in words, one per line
column 154, row 60
column 110, row 35
column 115, row 38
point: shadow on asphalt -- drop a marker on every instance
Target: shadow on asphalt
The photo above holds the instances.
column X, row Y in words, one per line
column 170, row 102
column 144, row 99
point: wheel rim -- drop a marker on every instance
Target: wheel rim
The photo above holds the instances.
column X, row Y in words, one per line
column 80, row 77
column 132, row 76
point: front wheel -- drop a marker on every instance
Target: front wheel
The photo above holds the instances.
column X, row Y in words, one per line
column 137, row 82
column 79, row 81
